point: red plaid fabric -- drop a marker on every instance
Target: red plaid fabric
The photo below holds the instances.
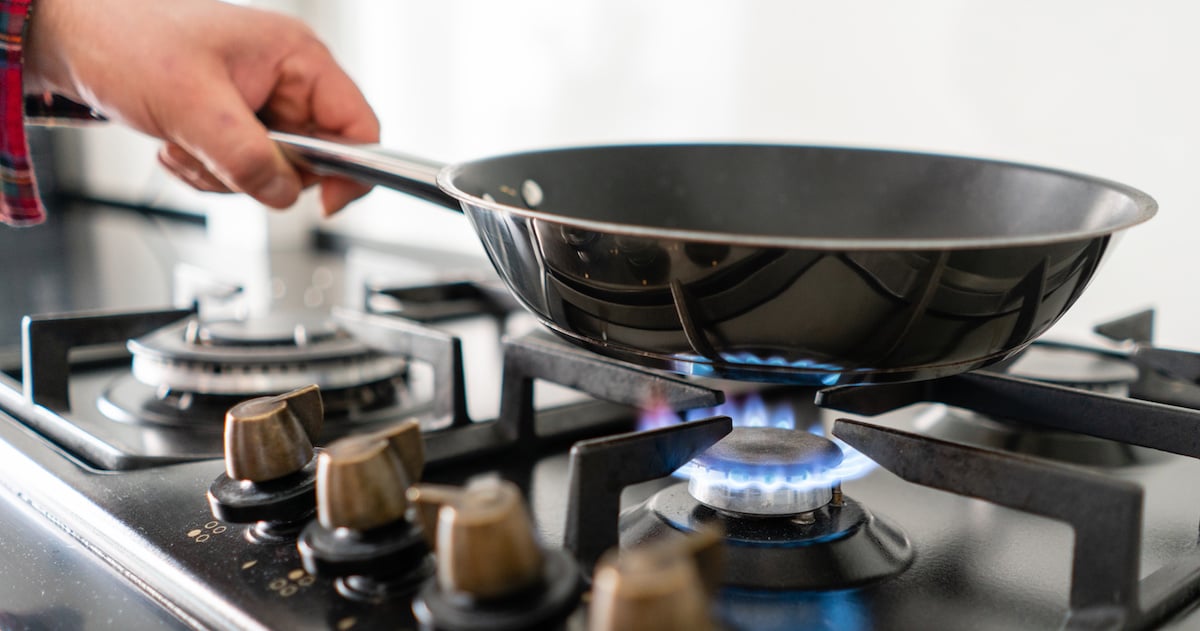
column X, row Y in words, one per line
column 19, row 201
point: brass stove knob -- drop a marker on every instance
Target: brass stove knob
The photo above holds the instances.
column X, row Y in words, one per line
column 270, row 437
column 362, row 480
column 362, row 535
column 491, row 572
column 483, row 538
column 270, row 471
column 662, row 587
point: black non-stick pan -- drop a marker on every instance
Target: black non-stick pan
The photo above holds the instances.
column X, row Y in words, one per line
column 779, row 263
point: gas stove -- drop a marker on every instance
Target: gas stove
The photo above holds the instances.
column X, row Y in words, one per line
column 400, row 446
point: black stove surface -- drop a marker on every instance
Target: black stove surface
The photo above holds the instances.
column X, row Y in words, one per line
column 976, row 565
column 102, row 546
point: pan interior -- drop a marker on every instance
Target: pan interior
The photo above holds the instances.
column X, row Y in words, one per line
column 802, row 196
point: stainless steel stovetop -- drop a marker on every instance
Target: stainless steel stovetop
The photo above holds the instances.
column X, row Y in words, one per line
column 970, row 521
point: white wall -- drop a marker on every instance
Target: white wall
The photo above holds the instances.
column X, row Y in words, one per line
column 1103, row 87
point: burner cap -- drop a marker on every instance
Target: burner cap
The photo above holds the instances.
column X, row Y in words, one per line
column 271, row 330
column 258, row 356
column 1075, row 367
column 765, row 471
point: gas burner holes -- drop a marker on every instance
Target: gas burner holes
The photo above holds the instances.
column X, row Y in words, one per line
column 766, row 471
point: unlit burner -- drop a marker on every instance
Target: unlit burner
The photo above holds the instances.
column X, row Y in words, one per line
column 765, row 471
column 271, row 354
column 1083, row 368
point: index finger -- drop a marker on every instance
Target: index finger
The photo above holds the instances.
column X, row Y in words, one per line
column 339, row 107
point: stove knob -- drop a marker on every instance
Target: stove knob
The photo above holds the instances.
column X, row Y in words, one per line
column 362, row 535
column 484, row 538
column 489, row 565
column 270, row 437
column 362, row 480
column 269, row 465
column 666, row 586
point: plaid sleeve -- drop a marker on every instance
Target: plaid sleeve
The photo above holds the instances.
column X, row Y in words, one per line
column 19, row 201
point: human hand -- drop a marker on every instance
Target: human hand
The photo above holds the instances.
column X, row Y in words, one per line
column 207, row 78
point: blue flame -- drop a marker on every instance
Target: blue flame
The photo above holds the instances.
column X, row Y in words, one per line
column 754, row 412
column 806, row 371
column 761, row 610
column 853, row 465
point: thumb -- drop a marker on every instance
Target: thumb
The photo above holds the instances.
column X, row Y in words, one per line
column 224, row 134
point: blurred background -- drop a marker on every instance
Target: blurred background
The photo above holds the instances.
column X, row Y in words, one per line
column 1107, row 88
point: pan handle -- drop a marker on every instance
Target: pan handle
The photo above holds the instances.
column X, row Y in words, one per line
column 370, row 164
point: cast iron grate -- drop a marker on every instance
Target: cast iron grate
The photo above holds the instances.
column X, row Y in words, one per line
column 1105, row 513
column 526, row 360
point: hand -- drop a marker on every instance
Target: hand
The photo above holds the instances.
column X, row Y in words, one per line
column 205, row 77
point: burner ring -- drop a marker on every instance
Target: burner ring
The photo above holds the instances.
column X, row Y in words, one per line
column 844, row 545
column 251, row 358
column 765, row 471
column 1075, row 367
column 172, row 343
column 249, row 378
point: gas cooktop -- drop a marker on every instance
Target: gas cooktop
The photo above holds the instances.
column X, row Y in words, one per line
column 398, row 446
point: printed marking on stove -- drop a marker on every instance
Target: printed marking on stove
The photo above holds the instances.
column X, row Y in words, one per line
column 202, row 535
column 295, row 580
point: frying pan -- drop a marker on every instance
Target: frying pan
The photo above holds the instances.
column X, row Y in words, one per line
column 796, row 264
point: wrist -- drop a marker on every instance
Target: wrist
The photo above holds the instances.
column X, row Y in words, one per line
column 47, row 67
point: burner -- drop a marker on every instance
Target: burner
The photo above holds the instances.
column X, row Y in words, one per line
column 130, row 401
column 260, row 356
column 765, row 471
column 1062, row 365
column 972, row 428
column 776, row 493
column 1081, row 368
column 837, row 546
column 273, row 330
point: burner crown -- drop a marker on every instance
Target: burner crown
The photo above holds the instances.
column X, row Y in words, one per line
column 766, row 471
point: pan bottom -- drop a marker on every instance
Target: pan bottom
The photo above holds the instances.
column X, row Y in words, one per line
column 747, row 367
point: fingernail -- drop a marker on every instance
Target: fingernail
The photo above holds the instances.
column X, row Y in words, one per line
column 280, row 192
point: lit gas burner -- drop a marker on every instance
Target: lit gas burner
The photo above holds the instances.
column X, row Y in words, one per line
column 778, row 463
column 776, row 493
column 765, row 471
column 749, row 366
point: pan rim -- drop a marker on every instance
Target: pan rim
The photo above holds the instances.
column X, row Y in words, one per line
column 1145, row 205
